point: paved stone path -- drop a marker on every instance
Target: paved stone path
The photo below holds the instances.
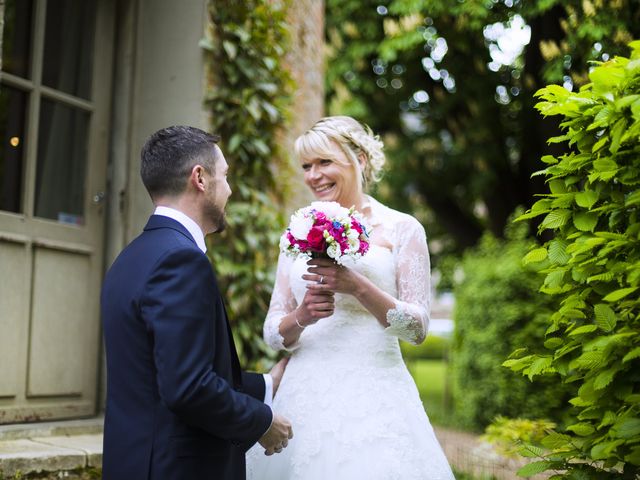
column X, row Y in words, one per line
column 64, row 446
column 467, row 453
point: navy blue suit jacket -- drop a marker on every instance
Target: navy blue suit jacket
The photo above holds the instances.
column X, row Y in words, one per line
column 178, row 405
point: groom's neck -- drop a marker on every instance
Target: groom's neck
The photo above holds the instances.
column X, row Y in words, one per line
column 183, row 204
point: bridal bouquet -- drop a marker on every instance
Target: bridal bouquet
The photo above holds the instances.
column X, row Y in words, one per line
column 326, row 228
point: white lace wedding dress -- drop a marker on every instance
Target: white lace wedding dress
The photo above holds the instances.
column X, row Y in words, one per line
column 355, row 410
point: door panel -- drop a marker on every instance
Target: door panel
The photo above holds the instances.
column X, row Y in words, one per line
column 61, row 331
column 13, row 312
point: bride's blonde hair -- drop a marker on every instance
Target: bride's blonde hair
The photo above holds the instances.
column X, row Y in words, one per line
column 353, row 138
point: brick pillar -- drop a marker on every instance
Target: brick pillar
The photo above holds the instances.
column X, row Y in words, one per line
column 306, row 63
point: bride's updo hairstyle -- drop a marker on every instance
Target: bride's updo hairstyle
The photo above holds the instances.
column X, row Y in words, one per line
column 352, row 137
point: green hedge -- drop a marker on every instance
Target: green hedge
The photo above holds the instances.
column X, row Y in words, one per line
column 497, row 308
column 593, row 270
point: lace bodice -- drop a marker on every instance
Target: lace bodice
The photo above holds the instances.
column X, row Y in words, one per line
column 398, row 263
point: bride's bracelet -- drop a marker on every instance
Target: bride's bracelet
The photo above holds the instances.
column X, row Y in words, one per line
column 295, row 317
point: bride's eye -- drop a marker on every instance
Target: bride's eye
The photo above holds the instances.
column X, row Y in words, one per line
column 306, row 166
column 326, row 161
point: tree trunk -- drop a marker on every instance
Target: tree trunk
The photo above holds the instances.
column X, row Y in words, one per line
column 1, row 29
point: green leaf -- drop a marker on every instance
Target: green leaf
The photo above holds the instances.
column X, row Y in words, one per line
column 235, row 142
column 553, row 343
column 602, row 451
column 599, row 144
column 626, row 428
column 616, row 134
column 585, row 221
column 619, row 294
column 556, row 440
column 587, row 361
column 583, row 329
column 581, row 429
column 633, row 457
column 230, row 48
column 605, row 165
column 632, row 199
column 605, row 317
column 557, row 252
column 556, row 219
column 535, row 468
column 604, row 379
column 586, row 199
column 539, row 365
column 534, row 256
column 635, row 353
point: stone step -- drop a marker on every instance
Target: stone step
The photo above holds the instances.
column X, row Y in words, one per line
column 50, row 447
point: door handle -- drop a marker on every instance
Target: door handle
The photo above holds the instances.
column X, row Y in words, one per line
column 98, row 198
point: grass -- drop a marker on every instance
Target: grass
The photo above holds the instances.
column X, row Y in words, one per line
column 435, row 391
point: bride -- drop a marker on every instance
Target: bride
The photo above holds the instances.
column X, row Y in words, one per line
column 355, row 410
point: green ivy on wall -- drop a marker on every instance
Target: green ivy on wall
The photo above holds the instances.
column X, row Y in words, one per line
column 247, row 95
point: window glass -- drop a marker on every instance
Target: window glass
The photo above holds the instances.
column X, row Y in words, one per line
column 62, row 158
column 16, row 37
column 68, row 46
column 13, row 105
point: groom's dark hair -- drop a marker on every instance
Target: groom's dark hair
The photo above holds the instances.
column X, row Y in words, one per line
column 169, row 155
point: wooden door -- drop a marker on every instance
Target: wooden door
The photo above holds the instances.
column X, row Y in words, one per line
column 55, row 93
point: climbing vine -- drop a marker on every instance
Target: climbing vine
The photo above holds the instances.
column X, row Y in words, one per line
column 247, row 97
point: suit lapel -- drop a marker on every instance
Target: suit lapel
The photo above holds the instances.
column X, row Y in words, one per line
column 235, row 362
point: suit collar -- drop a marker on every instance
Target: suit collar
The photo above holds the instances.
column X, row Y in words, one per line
column 160, row 221
column 187, row 222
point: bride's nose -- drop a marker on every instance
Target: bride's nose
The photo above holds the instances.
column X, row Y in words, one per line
column 314, row 172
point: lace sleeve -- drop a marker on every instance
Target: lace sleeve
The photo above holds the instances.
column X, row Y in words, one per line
column 409, row 320
column 282, row 303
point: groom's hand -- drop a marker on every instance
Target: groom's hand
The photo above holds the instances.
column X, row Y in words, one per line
column 276, row 373
column 278, row 435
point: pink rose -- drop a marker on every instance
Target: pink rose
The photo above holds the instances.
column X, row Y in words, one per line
column 316, row 239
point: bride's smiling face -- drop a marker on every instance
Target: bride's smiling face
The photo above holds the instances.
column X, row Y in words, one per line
column 332, row 179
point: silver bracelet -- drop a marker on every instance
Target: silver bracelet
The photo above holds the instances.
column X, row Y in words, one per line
column 295, row 317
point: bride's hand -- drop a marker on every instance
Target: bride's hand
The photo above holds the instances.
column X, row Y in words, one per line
column 314, row 306
column 328, row 276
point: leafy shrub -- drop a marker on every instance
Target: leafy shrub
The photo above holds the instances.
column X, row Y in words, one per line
column 497, row 308
column 507, row 434
column 593, row 341
column 433, row 348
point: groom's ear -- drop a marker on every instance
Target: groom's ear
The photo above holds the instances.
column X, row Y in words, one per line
column 198, row 178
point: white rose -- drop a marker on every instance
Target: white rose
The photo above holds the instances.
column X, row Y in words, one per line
column 300, row 226
column 354, row 244
column 330, row 209
column 333, row 250
column 284, row 243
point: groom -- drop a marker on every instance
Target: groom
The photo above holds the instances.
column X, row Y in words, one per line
column 178, row 405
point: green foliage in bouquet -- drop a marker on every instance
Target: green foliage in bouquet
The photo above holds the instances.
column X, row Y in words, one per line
column 593, row 269
column 497, row 309
column 248, row 91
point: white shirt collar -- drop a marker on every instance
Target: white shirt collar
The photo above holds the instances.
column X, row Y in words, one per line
column 191, row 226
